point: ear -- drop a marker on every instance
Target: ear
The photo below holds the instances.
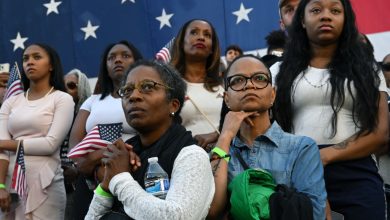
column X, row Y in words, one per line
column 226, row 98
column 174, row 105
column 282, row 26
column 273, row 95
column 303, row 23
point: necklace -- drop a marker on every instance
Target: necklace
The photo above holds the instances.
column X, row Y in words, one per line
column 51, row 89
column 315, row 85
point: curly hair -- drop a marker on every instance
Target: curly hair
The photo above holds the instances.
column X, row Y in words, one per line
column 212, row 65
column 351, row 63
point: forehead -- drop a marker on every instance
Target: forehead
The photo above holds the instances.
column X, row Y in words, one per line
column 119, row 48
column 387, row 59
column 71, row 77
column 290, row 3
column 203, row 25
column 34, row 49
column 247, row 65
column 143, row 72
column 324, row 2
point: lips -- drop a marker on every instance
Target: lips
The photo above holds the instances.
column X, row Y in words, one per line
column 199, row 45
column 250, row 95
column 118, row 68
column 28, row 70
column 135, row 110
column 326, row 27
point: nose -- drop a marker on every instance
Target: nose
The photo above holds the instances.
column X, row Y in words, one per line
column 326, row 15
column 118, row 59
column 249, row 84
column 135, row 96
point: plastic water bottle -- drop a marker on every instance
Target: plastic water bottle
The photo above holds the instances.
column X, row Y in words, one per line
column 156, row 179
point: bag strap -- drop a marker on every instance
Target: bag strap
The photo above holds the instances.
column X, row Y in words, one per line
column 203, row 114
column 242, row 162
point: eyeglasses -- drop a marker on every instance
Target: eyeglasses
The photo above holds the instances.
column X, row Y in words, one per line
column 386, row 67
column 238, row 82
column 71, row 85
column 145, row 86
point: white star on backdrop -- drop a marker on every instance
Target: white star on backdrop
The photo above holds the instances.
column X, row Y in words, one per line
column 52, row 7
column 89, row 30
column 19, row 42
column 123, row 1
column 164, row 19
column 242, row 14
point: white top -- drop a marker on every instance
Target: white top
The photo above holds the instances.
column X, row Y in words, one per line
column 106, row 111
column 313, row 113
column 210, row 103
column 189, row 196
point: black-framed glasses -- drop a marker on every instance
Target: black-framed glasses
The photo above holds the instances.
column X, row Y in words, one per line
column 145, row 86
column 386, row 67
column 238, row 82
column 71, row 85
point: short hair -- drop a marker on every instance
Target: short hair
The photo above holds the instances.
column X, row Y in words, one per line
column 275, row 39
column 212, row 65
column 170, row 77
column 234, row 47
column 104, row 84
column 56, row 75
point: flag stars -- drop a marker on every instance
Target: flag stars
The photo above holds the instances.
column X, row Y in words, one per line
column 164, row 19
column 89, row 30
column 123, row 1
column 242, row 13
column 19, row 42
column 52, row 7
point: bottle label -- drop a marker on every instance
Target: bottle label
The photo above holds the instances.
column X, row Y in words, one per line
column 157, row 186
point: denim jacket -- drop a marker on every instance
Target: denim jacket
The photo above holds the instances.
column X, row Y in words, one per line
column 292, row 160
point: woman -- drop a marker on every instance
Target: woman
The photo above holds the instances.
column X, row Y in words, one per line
column 346, row 112
column 248, row 131
column 77, row 85
column 103, row 107
column 152, row 108
column 48, row 109
column 196, row 55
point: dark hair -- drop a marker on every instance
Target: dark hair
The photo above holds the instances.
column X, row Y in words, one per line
column 351, row 62
column 234, row 47
column 275, row 39
column 170, row 77
column 240, row 57
column 212, row 65
column 104, row 84
column 56, row 75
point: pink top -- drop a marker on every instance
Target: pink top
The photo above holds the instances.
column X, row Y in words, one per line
column 42, row 125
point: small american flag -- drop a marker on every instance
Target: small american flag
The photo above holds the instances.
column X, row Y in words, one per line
column 98, row 138
column 14, row 85
column 165, row 53
column 19, row 183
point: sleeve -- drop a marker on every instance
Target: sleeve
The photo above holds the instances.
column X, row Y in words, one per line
column 310, row 179
column 5, row 111
column 99, row 206
column 62, row 120
column 87, row 105
column 189, row 197
column 382, row 84
column 274, row 72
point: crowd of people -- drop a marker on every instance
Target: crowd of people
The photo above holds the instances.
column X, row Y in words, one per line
column 312, row 113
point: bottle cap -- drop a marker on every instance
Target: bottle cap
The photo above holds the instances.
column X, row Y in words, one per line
column 153, row 159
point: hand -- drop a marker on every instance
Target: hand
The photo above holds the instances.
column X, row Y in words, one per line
column 5, row 200
column 233, row 121
column 70, row 173
column 206, row 140
column 87, row 164
column 135, row 161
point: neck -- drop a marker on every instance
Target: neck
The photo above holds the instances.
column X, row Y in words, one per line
column 39, row 87
column 148, row 137
column 116, row 88
column 322, row 55
column 195, row 72
column 261, row 123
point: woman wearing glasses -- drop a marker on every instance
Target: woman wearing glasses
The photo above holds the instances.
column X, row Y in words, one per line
column 247, row 130
column 152, row 108
column 103, row 107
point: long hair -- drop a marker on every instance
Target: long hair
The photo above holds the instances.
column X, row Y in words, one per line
column 56, row 75
column 104, row 84
column 212, row 64
column 351, row 63
column 83, row 88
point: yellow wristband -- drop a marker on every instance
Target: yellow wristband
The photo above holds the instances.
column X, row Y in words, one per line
column 2, row 186
column 221, row 153
column 101, row 192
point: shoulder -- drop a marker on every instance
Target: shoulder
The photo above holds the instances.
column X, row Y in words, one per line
column 192, row 155
column 290, row 141
column 61, row 95
column 192, row 150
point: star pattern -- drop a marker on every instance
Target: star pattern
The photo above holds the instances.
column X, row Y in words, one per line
column 19, row 41
column 164, row 19
column 123, row 1
column 242, row 13
column 52, row 7
column 89, row 30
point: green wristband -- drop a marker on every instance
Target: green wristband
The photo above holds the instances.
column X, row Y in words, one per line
column 2, row 186
column 101, row 192
column 221, row 153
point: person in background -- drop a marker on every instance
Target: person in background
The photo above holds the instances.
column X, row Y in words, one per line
column 77, row 85
column 196, row 55
column 4, row 76
column 104, row 107
column 152, row 97
column 346, row 112
column 287, row 10
column 276, row 41
column 231, row 52
column 248, row 131
column 38, row 120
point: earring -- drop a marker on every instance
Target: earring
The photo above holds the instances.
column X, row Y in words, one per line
column 172, row 114
column 272, row 104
